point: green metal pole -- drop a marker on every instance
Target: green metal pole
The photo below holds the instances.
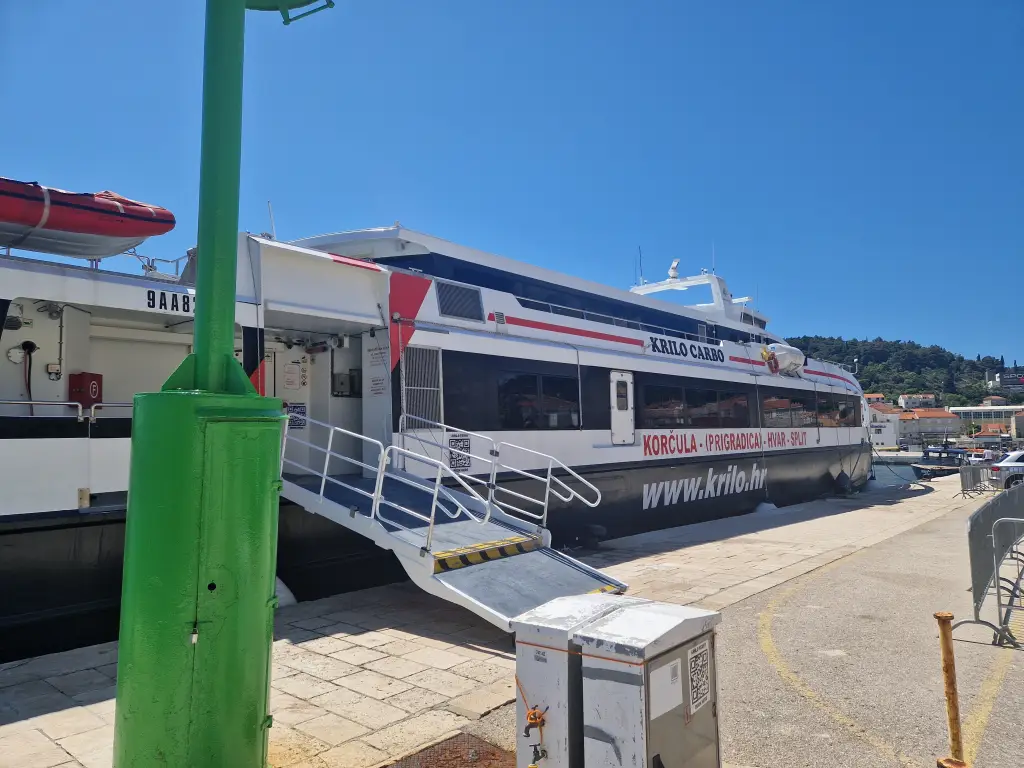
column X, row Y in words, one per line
column 198, row 599
column 219, row 180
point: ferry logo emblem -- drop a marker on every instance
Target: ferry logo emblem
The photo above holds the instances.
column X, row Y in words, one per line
column 770, row 360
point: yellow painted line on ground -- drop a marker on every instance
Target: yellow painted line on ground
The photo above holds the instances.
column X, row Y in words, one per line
column 774, row 657
column 974, row 725
column 977, row 720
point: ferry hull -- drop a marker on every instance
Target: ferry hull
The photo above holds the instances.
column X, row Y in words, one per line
column 637, row 499
column 62, row 573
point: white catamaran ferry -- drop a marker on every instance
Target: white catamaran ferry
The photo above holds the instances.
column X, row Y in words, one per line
column 470, row 413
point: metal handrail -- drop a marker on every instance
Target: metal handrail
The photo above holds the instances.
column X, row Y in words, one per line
column 569, row 471
column 553, row 485
column 94, row 406
column 328, row 453
column 439, row 493
column 64, row 403
column 438, row 489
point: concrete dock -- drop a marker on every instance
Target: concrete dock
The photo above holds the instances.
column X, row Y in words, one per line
column 363, row 679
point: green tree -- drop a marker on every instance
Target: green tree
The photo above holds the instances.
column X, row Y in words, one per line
column 897, row 367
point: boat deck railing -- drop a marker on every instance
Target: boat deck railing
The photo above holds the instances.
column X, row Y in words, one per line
column 386, row 506
column 33, row 404
column 513, row 462
column 597, row 317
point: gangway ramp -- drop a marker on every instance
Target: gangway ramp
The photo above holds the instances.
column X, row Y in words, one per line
column 451, row 535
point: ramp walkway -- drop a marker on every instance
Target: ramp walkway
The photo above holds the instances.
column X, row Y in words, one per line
column 458, row 535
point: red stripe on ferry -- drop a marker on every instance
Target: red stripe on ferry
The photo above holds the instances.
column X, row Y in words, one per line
column 259, row 377
column 829, row 375
column 568, row 330
column 354, row 262
column 405, row 297
column 746, row 360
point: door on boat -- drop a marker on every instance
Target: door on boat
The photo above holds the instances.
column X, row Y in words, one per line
column 623, row 421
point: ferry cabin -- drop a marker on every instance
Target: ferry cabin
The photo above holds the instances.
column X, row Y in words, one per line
column 672, row 412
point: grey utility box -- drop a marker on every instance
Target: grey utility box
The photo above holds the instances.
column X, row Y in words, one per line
column 650, row 688
column 548, row 670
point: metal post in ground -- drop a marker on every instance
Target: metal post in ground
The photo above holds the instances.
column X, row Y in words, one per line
column 956, row 745
column 197, row 603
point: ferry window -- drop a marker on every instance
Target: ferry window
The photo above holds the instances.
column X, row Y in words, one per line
column 828, row 410
column 775, row 410
column 849, row 412
column 703, row 407
column 531, row 304
column 519, row 401
column 621, row 396
column 663, row 407
column 560, row 402
column 596, row 412
column 734, row 409
column 568, row 312
column 600, row 318
column 803, row 408
column 529, row 401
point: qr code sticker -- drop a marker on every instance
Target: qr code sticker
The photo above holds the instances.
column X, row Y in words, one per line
column 459, row 446
column 699, row 660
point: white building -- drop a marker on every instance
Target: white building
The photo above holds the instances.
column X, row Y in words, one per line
column 929, row 425
column 986, row 414
column 917, row 401
column 884, row 425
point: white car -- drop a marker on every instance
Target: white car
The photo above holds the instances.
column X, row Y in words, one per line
column 1010, row 471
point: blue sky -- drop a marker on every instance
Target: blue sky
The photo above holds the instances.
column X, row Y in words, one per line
column 858, row 165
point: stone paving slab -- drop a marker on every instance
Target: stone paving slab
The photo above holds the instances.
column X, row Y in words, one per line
column 361, row 679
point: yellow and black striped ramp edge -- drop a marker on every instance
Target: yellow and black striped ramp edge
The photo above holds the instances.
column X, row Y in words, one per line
column 451, row 559
column 606, row 588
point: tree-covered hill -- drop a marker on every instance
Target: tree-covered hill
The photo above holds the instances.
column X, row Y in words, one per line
column 898, row 367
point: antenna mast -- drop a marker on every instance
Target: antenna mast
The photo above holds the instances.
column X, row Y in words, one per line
column 640, row 251
column 273, row 229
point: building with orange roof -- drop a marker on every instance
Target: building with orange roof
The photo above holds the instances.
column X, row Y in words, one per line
column 920, row 424
column 923, row 400
column 875, row 398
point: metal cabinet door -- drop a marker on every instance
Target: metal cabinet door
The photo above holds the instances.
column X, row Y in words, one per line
column 623, row 420
column 682, row 707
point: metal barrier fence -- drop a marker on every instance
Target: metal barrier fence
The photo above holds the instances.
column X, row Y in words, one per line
column 994, row 535
column 976, row 479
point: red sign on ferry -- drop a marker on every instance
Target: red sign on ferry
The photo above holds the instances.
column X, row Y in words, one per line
column 719, row 441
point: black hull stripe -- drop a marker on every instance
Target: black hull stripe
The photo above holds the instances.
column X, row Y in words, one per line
column 673, row 461
column 63, row 427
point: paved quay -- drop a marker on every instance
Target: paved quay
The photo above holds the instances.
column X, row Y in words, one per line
column 362, row 679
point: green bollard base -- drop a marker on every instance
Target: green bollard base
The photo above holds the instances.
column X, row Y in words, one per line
column 198, row 590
